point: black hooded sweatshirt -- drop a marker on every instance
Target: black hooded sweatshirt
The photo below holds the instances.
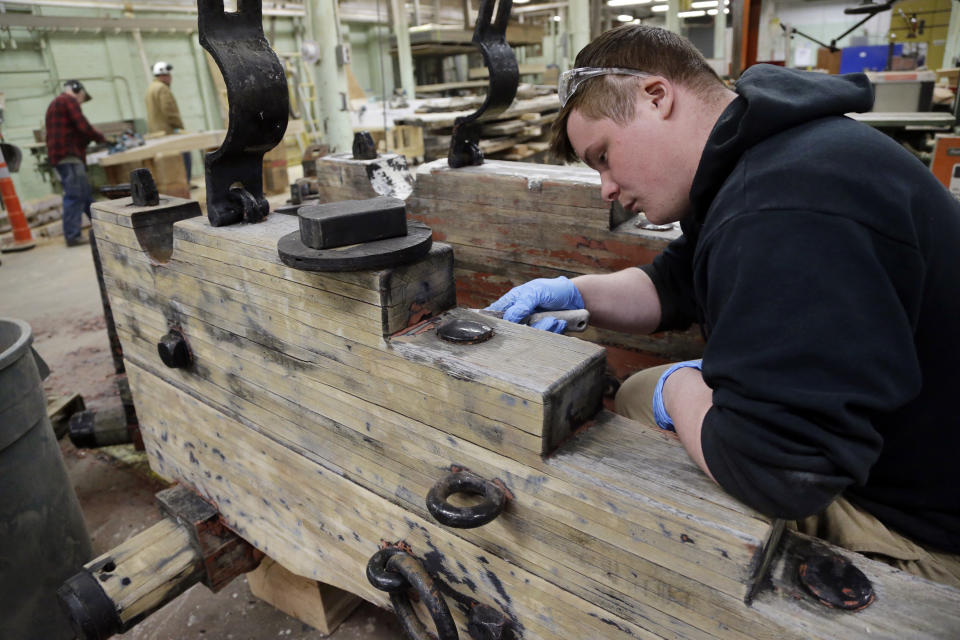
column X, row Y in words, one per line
column 822, row 261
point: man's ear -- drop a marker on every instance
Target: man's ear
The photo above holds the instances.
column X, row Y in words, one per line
column 659, row 95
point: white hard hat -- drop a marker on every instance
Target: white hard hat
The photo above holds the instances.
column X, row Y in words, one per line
column 162, row 68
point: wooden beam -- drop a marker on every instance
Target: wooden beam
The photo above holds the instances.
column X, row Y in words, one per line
column 320, row 605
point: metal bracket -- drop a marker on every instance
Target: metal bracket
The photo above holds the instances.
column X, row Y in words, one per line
column 223, row 554
column 143, row 189
column 504, row 78
column 259, row 104
column 395, row 570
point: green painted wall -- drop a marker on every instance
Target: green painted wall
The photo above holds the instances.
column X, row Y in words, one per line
column 367, row 42
column 110, row 66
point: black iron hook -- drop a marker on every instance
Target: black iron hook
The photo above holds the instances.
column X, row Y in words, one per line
column 500, row 60
column 494, row 499
column 259, row 104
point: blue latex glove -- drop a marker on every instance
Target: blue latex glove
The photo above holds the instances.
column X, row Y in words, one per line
column 659, row 411
column 543, row 294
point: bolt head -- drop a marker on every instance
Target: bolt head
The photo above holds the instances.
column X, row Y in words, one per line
column 174, row 351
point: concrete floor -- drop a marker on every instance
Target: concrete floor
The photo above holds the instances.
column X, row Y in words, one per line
column 54, row 289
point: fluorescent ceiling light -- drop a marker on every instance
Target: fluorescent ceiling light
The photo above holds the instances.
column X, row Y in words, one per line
column 626, row 3
column 691, row 14
column 703, row 4
column 520, row 1
column 557, row 18
column 711, row 12
column 659, row 8
column 624, row 17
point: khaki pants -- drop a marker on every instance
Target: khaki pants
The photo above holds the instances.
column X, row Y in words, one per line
column 841, row 523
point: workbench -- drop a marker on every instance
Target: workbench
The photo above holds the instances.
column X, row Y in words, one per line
column 162, row 155
column 163, row 145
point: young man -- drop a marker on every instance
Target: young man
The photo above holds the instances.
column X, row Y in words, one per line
column 163, row 114
column 819, row 259
column 68, row 134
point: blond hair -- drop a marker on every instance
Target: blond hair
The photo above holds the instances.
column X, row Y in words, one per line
column 649, row 49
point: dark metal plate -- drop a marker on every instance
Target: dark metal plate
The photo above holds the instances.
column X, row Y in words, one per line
column 464, row 331
column 836, row 582
column 379, row 254
column 338, row 224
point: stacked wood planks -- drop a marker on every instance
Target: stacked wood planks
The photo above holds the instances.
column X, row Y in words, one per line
column 527, row 119
column 320, row 409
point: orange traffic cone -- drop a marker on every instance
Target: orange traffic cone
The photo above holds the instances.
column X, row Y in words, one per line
column 22, row 238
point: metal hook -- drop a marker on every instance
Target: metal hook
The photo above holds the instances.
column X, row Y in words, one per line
column 259, row 104
column 504, row 78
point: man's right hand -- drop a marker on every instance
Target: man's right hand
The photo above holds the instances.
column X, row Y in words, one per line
column 543, row 294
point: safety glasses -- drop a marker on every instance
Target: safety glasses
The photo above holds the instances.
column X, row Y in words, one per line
column 571, row 80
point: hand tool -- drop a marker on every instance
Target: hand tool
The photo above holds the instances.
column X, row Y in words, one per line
column 577, row 319
column 768, row 551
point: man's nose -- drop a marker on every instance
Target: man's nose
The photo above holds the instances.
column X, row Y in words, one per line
column 609, row 190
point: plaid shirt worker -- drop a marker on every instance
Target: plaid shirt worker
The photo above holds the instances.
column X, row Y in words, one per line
column 68, row 132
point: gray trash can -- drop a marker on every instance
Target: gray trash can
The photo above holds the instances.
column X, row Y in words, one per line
column 43, row 539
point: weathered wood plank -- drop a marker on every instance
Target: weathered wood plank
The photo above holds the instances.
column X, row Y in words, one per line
column 447, row 118
column 550, row 185
column 213, row 285
column 474, row 428
column 519, row 382
column 147, row 570
column 367, row 322
column 427, row 407
column 340, row 177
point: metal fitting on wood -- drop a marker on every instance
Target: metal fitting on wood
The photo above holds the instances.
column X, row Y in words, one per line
column 836, row 582
column 364, row 148
column 143, row 189
column 494, row 499
column 259, row 104
column 394, row 570
column 490, row 35
column 92, row 429
column 174, row 351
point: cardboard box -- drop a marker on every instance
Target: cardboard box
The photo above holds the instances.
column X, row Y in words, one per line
column 829, row 60
column 275, row 179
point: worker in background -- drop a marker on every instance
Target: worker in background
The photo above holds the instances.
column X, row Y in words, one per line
column 818, row 257
column 68, row 134
column 163, row 114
